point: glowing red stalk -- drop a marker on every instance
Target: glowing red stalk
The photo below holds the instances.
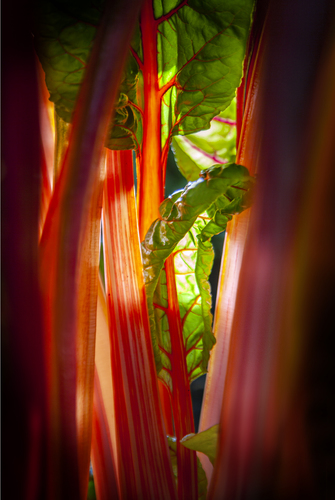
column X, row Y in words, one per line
column 150, row 195
column 143, row 457
column 63, row 248
column 181, row 394
column 151, row 174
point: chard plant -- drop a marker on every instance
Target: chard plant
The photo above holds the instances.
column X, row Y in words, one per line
column 103, row 335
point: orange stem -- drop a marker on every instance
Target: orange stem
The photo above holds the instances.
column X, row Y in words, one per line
column 151, row 194
column 151, row 185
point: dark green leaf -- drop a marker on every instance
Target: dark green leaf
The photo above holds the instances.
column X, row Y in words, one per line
column 64, row 35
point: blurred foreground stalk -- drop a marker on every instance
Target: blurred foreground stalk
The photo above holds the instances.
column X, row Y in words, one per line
column 277, row 436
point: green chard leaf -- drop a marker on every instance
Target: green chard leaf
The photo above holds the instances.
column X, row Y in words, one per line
column 64, row 34
column 199, row 151
column 202, row 479
column 189, row 219
column 205, row 441
column 200, row 49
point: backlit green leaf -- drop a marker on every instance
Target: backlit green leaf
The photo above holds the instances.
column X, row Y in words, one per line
column 188, row 219
column 200, row 50
column 193, row 260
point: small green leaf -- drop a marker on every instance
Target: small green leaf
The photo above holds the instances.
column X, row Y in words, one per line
column 205, row 441
column 202, row 479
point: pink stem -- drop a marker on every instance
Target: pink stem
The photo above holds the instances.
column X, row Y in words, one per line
column 227, row 121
